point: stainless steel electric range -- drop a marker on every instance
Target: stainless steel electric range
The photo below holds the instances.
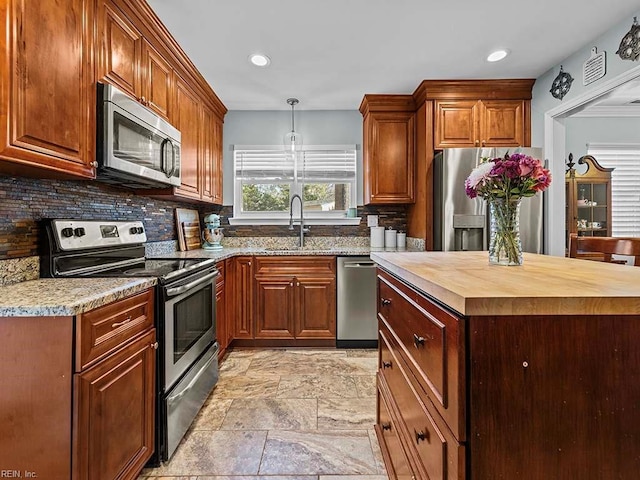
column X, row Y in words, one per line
column 185, row 311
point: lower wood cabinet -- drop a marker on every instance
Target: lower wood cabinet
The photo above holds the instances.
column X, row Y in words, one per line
column 288, row 300
column 114, row 413
column 224, row 331
column 91, row 422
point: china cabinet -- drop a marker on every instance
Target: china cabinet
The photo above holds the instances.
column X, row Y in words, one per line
column 588, row 199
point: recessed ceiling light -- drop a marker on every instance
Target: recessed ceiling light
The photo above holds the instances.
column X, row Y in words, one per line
column 497, row 55
column 259, row 60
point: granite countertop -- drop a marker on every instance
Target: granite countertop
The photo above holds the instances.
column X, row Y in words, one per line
column 72, row 296
column 66, row 296
column 228, row 252
column 543, row 285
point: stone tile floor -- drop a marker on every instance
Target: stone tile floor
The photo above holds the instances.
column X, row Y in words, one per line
column 289, row 414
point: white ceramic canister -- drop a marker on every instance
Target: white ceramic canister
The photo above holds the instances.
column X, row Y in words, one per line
column 390, row 239
column 401, row 241
column 377, row 237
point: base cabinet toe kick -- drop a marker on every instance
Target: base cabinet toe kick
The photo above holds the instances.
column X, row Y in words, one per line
column 504, row 397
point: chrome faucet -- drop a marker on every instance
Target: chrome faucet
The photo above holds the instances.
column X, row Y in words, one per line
column 303, row 230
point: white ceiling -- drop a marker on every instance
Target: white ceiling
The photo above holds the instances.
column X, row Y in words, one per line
column 330, row 53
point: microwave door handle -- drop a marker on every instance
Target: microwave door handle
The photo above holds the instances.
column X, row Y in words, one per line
column 173, row 159
column 163, row 145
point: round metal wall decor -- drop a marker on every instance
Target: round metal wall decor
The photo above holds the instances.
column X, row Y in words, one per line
column 561, row 84
column 629, row 48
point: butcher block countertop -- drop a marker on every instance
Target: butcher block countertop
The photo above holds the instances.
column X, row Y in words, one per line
column 543, row 285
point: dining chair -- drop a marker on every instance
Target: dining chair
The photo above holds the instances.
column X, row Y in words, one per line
column 606, row 246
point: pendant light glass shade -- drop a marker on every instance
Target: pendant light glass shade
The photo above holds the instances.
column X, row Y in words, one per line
column 292, row 139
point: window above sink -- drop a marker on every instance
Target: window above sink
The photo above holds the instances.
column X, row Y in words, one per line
column 267, row 177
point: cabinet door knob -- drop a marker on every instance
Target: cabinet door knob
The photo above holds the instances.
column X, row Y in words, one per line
column 386, row 364
column 155, row 345
column 386, row 426
column 421, row 436
column 484, row 142
column 417, row 340
column 385, row 301
column 94, row 164
column 477, row 142
column 291, row 284
column 143, row 100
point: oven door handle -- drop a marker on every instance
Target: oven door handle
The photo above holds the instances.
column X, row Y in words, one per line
column 174, row 398
column 172, row 292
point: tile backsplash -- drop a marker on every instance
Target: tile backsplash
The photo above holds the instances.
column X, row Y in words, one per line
column 24, row 202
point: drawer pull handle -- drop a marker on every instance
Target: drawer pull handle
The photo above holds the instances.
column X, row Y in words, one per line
column 386, row 301
column 119, row 324
column 155, row 345
column 421, row 436
column 386, row 426
column 417, row 341
column 386, row 364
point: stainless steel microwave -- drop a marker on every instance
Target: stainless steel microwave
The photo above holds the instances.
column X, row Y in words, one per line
column 135, row 147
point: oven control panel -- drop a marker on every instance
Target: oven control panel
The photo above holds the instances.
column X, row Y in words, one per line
column 80, row 234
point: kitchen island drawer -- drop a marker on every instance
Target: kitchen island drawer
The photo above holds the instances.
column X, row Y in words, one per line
column 441, row 456
column 105, row 329
column 398, row 467
column 431, row 341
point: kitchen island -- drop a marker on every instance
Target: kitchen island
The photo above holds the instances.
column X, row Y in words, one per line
column 492, row 372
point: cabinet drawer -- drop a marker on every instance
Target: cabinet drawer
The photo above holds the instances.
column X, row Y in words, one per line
column 438, row 452
column 105, row 329
column 431, row 341
column 296, row 265
column 395, row 459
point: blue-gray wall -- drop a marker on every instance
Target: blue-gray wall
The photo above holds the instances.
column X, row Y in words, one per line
column 581, row 131
column 268, row 127
column 543, row 101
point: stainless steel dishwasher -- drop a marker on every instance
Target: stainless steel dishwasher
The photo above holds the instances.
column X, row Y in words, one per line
column 357, row 317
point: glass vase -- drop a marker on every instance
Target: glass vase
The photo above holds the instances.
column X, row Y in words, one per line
column 505, row 247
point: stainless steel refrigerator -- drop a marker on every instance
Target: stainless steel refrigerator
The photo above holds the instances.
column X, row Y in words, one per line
column 462, row 223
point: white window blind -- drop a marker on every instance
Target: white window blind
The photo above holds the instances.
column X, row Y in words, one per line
column 324, row 176
column 264, row 166
column 327, row 165
column 625, row 185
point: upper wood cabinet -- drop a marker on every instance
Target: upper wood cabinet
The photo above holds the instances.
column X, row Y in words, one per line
column 130, row 62
column 157, row 85
column 188, row 121
column 388, row 153
column 119, row 49
column 47, row 90
column 211, row 157
column 490, row 123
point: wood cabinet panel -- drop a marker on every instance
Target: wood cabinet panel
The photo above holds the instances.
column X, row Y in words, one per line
column 47, row 90
column 115, row 402
column 188, row 121
column 388, row 149
column 211, row 157
column 481, row 123
column 457, row 124
column 275, row 310
column 243, row 297
column 224, row 331
column 316, row 306
column 389, row 158
column 120, row 55
column 398, row 467
column 105, row 329
column 502, row 123
column 35, row 398
column 157, row 91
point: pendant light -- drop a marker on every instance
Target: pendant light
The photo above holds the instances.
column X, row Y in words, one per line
column 292, row 140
